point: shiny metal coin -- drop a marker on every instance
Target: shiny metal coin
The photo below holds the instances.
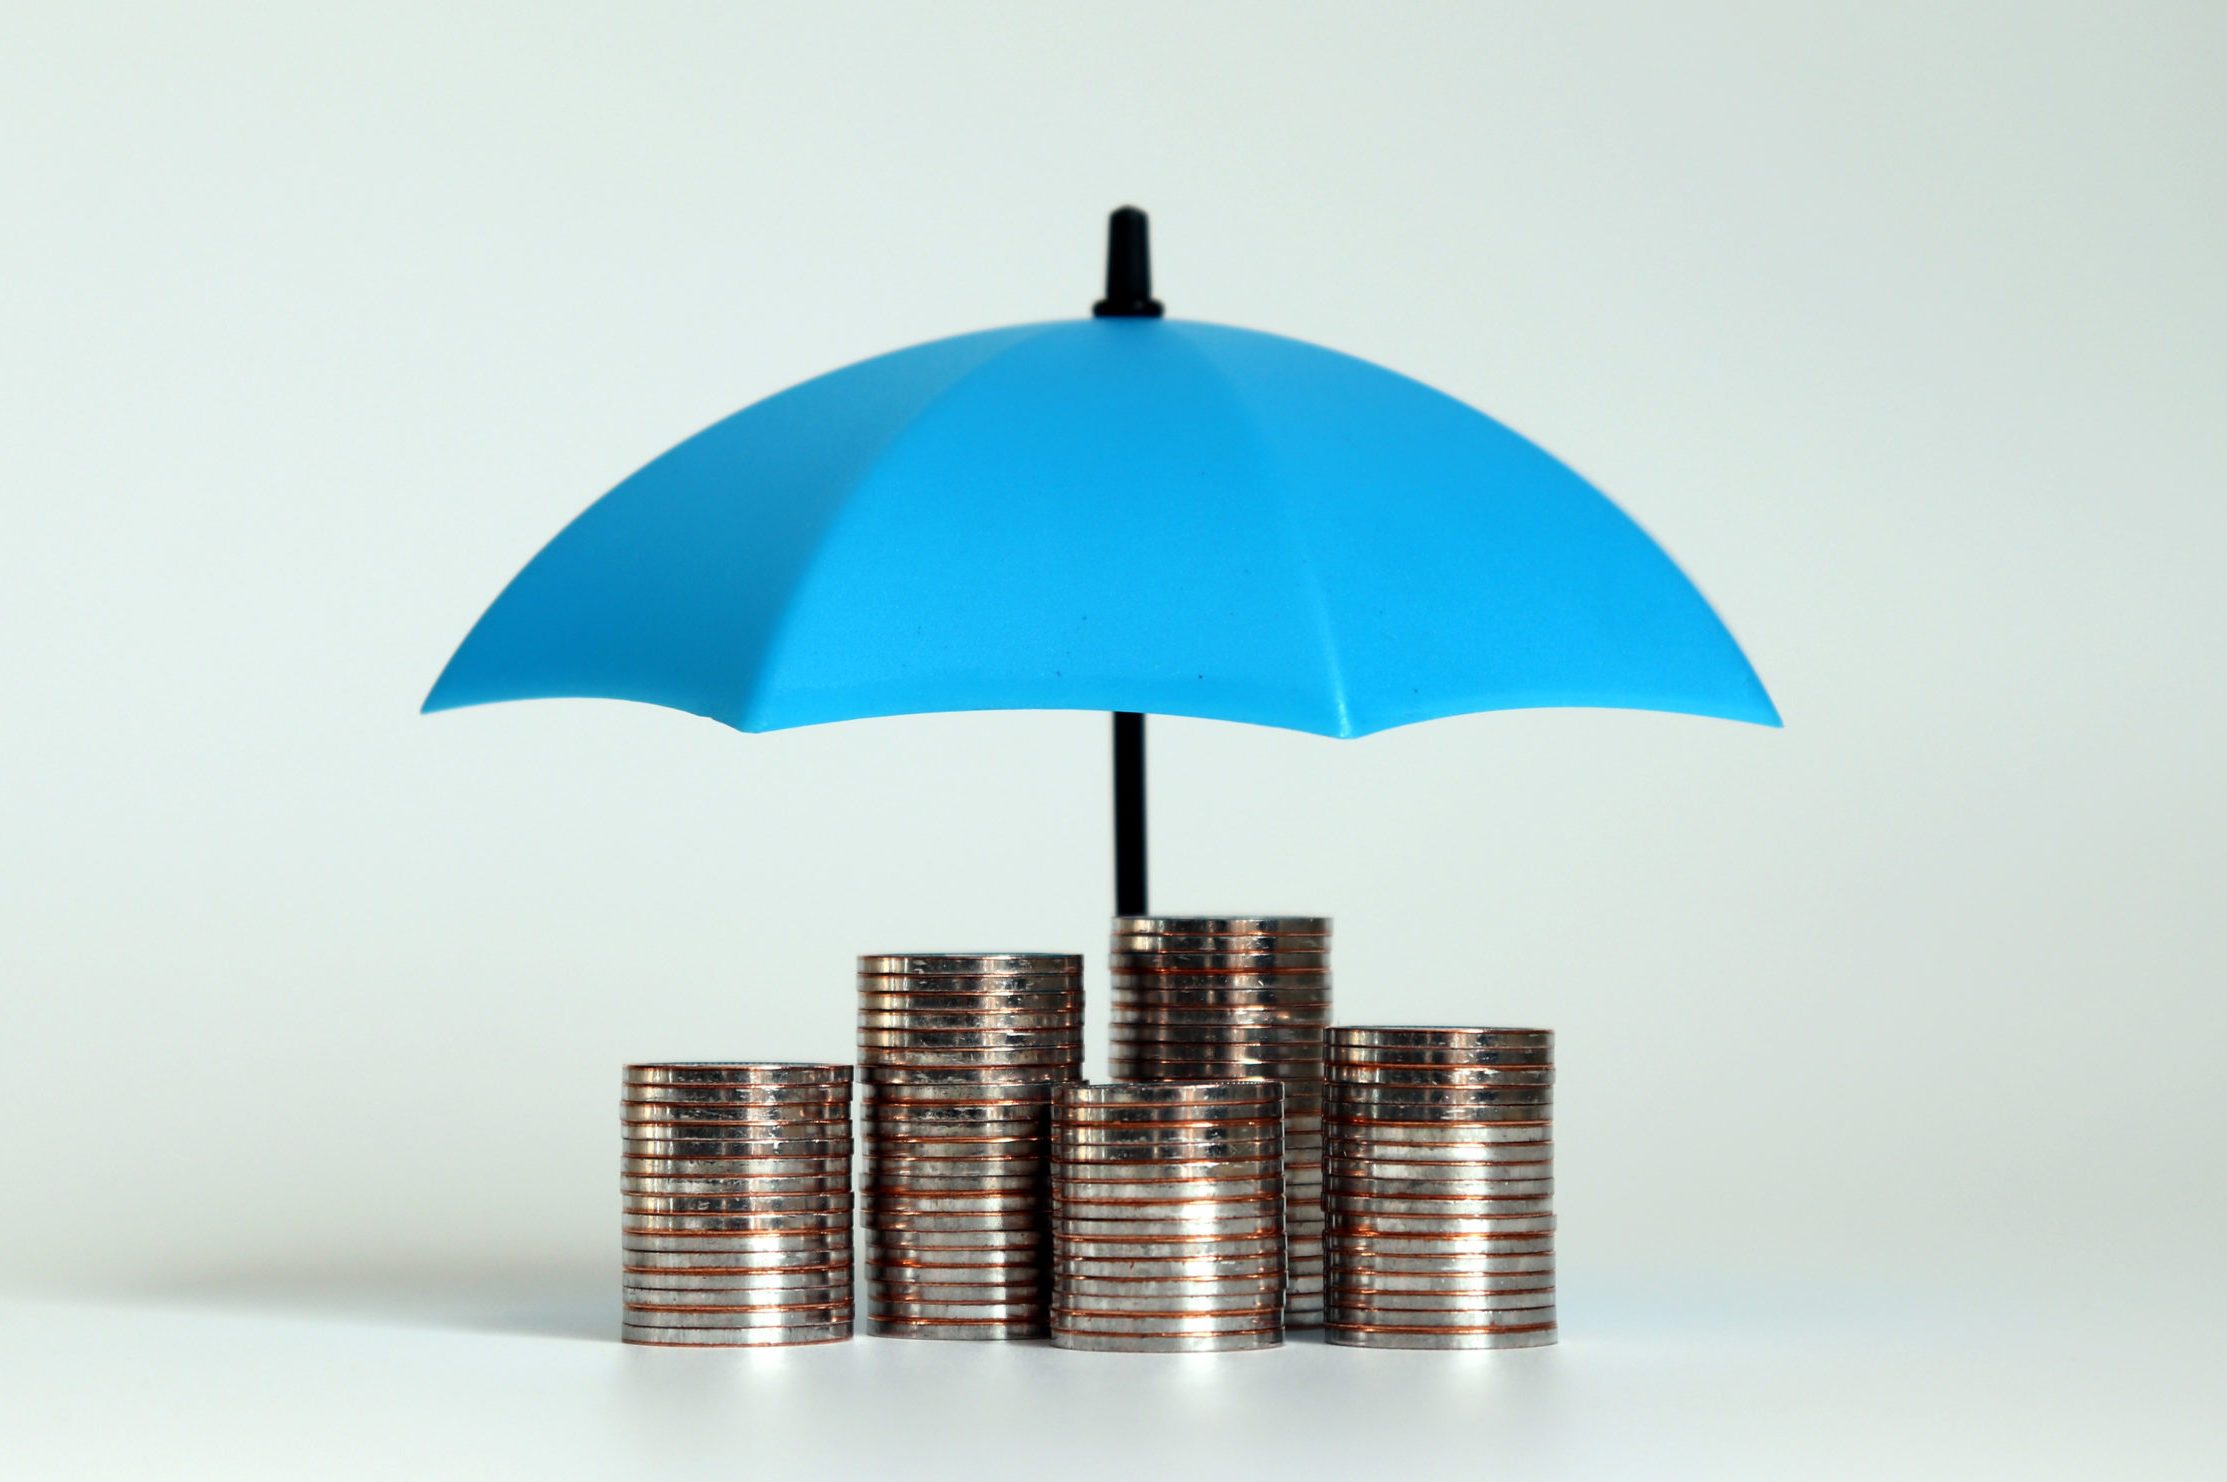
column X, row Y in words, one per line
column 835, row 1093
column 726, row 1168
column 1081, row 1246
column 1069, row 1057
column 766, row 1279
column 948, row 1331
column 795, row 1337
column 896, row 1251
column 1376, row 1268
column 909, row 1172
column 970, row 1039
column 725, row 1149
column 1365, row 1248
column 1374, row 1315
column 1385, row 1057
column 1498, row 1298
column 1283, row 1033
column 1125, row 962
column 738, row 1123
column 1256, row 1223
column 737, row 1317
column 1364, row 1119
column 1085, row 1193
column 1254, row 1290
column 1010, row 1201
column 1081, row 1098
column 735, row 1250
column 731, row 1204
column 1061, row 1004
column 1363, row 1209
column 916, row 1076
column 1170, row 1323
column 1437, row 1138
column 940, row 1188
column 885, row 1220
column 944, row 1021
column 909, row 964
column 1219, row 925
column 1263, row 1338
column 733, row 1072
column 1480, row 1077
column 1441, row 1188
column 1344, row 1218
column 1238, row 1170
column 1259, row 941
column 737, row 1188
column 665, row 1303
column 1032, row 1313
column 1190, row 1140
column 800, row 1222
column 1353, row 1337
column 1258, row 1272
column 1443, row 1037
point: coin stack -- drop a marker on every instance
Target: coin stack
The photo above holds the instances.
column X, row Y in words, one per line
column 960, row 1055
column 736, row 1181
column 1206, row 997
column 1441, row 1191
column 1168, row 1217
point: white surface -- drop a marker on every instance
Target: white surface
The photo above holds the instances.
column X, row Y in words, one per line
column 1889, row 1122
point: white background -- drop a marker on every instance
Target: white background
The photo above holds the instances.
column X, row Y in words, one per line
column 1890, row 1043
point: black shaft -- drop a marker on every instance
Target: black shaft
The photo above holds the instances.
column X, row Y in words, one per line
column 1128, row 792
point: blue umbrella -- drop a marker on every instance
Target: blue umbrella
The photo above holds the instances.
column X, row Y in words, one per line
column 1122, row 513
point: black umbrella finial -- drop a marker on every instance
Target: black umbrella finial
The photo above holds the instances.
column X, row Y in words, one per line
column 1128, row 269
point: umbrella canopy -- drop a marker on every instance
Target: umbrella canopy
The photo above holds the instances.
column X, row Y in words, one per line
column 1124, row 513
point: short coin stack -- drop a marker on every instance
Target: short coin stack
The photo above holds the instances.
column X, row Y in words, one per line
column 1203, row 997
column 960, row 1054
column 1441, row 1188
column 736, row 1182
column 1168, row 1217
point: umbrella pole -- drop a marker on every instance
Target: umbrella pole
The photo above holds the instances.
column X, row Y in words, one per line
column 1128, row 798
column 1128, row 296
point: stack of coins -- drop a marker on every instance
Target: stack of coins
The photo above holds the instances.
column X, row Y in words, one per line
column 1441, row 1190
column 1168, row 1217
column 1204, row 997
column 960, row 1054
column 736, row 1182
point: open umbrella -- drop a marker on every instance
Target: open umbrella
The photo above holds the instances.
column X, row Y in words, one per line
column 1123, row 513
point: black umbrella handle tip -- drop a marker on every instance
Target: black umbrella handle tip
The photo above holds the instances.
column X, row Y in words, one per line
column 1128, row 269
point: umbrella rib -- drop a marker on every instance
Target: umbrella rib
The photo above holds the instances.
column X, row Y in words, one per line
column 1317, row 599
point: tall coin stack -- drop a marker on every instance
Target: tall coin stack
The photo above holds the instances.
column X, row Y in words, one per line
column 1168, row 1217
column 736, row 1183
column 1203, row 998
column 1441, row 1192
column 960, row 1054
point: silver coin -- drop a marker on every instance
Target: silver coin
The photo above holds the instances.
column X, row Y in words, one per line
column 728, row 1204
column 909, row 1168
column 886, row 1310
column 1383, row 1057
column 999, row 1039
column 1260, row 1223
column 948, row 1075
column 799, row 1222
column 936, row 1188
column 953, row 1331
column 746, row 1094
column 1479, row 1078
column 1258, row 941
column 897, row 1252
column 736, row 1123
column 1359, row 1247
column 793, row 1337
column 945, row 1021
column 1238, row 1170
column 1124, row 961
column 1194, row 1343
column 668, row 1305
column 1084, row 1192
column 1360, row 1099
column 1363, row 1208
column 1446, row 1037
column 715, row 1249
column 971, row 962
column 1369, row 1266
column 879, row 1134
column 953, row 1224
column 727, row 1168
column 1260, row 1289
column 766, row 1279
column 1017, row 1095
column 1434, row 1161
column 1378, row 1338
column 1079, row 1246
column 1374, row 1315
column 1159, row 1029
column 1131, row 1096
column 738, row 1188
column 965, row 1268
column 1441, row 1188
column 1431, row 1139
column 1175, row 989
column 1061, row 1005
column 737, row 1317
column 734, row 1072
column 1168, row 1324
column 1363, row 1120
column 1006, row 1201
column 1138, row 1019
column 1077, row 1141
column 1067, row 1057
column 722, row 1149
column 1261, row 1273
column 1524, row 1289
column 1220, row 1211
column 1344, row 1215
column 1139, row 924
column 950, row 1118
